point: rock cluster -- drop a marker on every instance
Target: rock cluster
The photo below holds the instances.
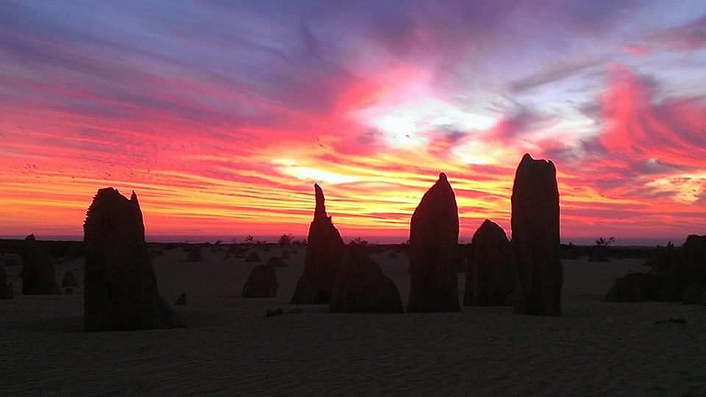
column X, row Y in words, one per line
column 677, row 274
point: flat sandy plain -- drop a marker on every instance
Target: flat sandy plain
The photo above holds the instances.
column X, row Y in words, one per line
column 231, row 348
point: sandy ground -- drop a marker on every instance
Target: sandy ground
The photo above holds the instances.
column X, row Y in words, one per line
column 231, row 349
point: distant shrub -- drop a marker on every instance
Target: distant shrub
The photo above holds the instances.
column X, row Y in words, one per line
column 603, row 242
column 285, row 239
column 360, row 241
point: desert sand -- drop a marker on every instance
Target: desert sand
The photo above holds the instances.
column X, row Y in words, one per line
column 230, row 348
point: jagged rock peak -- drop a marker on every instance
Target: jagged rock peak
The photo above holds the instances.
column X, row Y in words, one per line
column 320, row 210
column 488, row 224
column 527, row 159
column 108, row 207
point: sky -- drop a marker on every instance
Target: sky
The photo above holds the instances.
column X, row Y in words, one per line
column 222, row 114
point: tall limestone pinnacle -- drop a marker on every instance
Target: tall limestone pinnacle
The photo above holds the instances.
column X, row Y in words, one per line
column 324, row 250
column 320, row 209
column 535, row 238
column 121, row 290
column 434, row 251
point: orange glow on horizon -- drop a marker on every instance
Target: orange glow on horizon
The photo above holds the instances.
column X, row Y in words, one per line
column 212, row 177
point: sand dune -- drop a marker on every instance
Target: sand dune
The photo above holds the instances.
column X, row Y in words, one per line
column 230, row 348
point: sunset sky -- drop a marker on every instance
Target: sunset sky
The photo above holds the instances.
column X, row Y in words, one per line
column 222, row 114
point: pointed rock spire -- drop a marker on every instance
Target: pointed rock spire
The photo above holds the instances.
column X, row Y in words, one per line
column 434, row 251
column 320, row 210
column 323, row 253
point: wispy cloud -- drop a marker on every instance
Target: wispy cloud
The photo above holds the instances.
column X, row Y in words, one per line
column 222, row 114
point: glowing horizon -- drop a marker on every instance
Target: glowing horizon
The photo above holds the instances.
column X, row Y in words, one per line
column 221, row 116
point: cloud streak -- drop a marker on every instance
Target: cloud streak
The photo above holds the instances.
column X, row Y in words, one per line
column 222, row 114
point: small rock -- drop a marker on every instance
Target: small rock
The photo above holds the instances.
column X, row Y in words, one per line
column 262, row 283
column 181, row 300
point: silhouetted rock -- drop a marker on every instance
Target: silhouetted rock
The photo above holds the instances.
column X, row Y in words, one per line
column 194, row 255
column 262, row 283
column 121, row 290
column 535, row 238
column 634, row 287
column 693, row 257
column 677, row 268
column 276, row 262
column 433, row 251
column 252, row 257
column 181, row 300
column 285, row 254
column 38, row 277
column 323, row 254
column 490, row 280
column 667, row 268
column 69, row 280
column 362, row 287
column 6, row 291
